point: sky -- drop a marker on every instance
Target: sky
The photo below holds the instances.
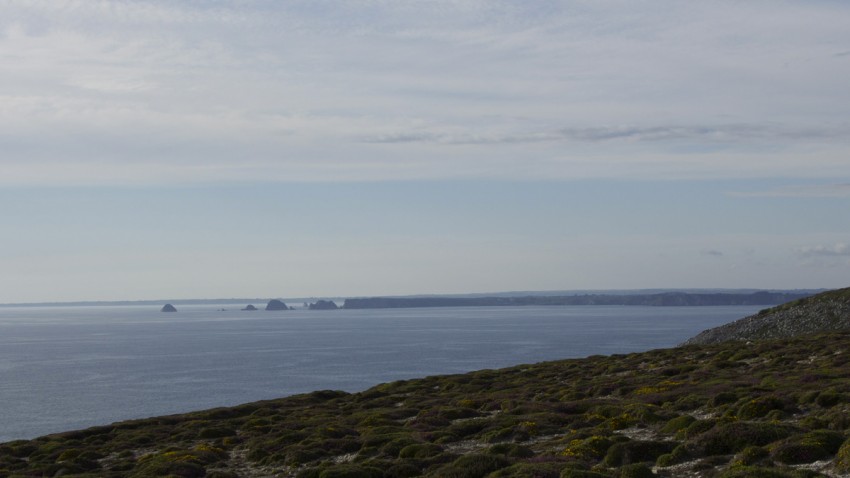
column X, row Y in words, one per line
column 323, row 148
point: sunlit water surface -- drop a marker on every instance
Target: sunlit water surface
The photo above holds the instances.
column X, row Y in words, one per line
column 64, row 368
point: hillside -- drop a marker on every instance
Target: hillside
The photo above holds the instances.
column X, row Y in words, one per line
column 765, row 409
column 825, row 312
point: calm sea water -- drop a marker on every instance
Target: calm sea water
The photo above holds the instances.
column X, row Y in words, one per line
column 64, row 368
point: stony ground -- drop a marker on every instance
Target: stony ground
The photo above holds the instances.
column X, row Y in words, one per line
column 827, row 312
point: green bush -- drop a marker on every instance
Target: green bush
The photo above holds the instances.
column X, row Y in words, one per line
column 351, row 471
column 402, row 470
column 837, row 419
column 576, row 473
column 696, row 428
column 723, row 398
column 530, row 470
column 829, row 398
column 629, row 452
column 760, row 407
column 162, row 466
column 216, row 432
column 591, row 448
column 678, row 455
column 473, row 466
column 750, row 455
column 394, row 446
column 808, row 448
column 635, row 470
column 678, row 423
column 221, row 474
column 754, row 472
column 842, row 457
column 511, row 450
column 726, row 438
column 420, row 451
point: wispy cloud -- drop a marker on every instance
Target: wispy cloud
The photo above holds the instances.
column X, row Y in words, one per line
column 711, row 252
column 383, row 90
column 732, row 133
column 834, row 250
column 838, row 190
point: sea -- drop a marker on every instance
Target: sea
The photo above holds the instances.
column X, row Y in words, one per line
column 67, row 368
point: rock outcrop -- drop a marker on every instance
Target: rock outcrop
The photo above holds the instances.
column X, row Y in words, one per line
column 249, row 307
column 275, row 304
column 323, row 305
column 168, row 308
column 825, row 312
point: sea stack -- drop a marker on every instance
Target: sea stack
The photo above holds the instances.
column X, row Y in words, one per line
column 168, row 308
column 323, row 305
column 250, row 307
column 275, row 304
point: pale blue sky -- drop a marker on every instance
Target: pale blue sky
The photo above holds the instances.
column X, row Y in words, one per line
column 163, row 149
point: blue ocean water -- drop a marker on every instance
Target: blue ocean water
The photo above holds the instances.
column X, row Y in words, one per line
column 64, row 368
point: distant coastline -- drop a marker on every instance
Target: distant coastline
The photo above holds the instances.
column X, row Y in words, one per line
column 654, row 297
column 666, row 299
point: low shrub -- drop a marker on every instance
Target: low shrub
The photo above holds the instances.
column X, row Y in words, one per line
column 723, row 398
column 760, row 407
column 592, row 448
column 807, row 448
column 678, row 455
column 635, row 470
column 829, row 398
column 576, row 473
column 530, row 470
column 696, row 428
column 420, row 450
column 726, row 438
column 163, row 466
column 402, row 470
column 511, row 450
column 837, row 419
column 394, row 446
column 678, row 423
column 473, row 466
column 749, row 456
column 629, row 452
column 216, row 432
column 842, row 457
column 351, row 471
column 754, row 472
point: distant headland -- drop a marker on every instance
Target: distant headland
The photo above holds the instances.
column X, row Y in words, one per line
column 649, row 297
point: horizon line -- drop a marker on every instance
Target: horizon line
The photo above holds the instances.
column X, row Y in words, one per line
column 125, row 302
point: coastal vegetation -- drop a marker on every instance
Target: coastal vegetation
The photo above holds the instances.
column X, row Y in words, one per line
column 773, row 408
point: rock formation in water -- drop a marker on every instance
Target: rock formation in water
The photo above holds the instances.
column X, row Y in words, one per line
column 275, row 304
column 323, row 305
column 168, row 308
column 249, row 307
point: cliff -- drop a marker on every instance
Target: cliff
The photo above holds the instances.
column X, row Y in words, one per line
column 825, row 312
column 661, row 300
